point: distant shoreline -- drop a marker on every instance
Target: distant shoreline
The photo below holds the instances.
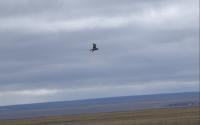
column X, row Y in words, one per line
column 115, row 104
column 173, row 116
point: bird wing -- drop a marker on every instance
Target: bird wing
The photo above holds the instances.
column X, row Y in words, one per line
column 94, row 45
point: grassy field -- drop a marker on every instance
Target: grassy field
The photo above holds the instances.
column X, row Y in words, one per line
column 179, row 116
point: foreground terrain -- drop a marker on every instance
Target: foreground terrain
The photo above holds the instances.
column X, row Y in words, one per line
column 176, row 116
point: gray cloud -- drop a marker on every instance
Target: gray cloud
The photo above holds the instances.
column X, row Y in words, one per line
column 44, row 48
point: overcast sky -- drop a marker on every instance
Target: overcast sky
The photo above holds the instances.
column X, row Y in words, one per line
column 146, row 47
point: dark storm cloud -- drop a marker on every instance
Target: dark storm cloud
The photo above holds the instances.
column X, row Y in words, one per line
column 145, row 47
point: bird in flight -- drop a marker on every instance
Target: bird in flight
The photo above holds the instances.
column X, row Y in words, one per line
column 94, row 47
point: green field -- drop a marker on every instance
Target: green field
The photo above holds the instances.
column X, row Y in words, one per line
column 179, row 116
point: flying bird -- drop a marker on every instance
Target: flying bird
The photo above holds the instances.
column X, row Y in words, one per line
column 94, row 47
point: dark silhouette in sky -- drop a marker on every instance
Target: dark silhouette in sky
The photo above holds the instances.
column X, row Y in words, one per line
column 94, row 47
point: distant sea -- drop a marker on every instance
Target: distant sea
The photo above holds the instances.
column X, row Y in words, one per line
column 111, row 104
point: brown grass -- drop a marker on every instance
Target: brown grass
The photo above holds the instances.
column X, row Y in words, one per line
column 180, row 116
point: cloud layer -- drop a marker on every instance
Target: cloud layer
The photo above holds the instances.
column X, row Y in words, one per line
column 145, row 47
